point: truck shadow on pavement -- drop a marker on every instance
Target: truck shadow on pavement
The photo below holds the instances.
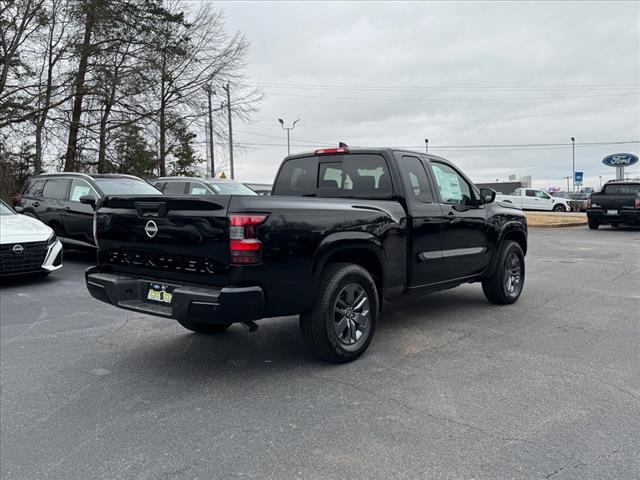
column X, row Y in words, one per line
column 277, row 347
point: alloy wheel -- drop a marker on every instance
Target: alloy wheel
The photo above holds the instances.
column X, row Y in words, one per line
column 512, row 273
column 352, row 314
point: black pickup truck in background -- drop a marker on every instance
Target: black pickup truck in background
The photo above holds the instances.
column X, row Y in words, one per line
column 617, row 203
column 343, row 230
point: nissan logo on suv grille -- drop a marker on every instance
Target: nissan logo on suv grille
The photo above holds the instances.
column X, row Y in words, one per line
column 17, row 249
column 151, row 229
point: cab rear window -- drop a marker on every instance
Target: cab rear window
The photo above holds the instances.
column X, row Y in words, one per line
column 623, row 189
column 351, row 175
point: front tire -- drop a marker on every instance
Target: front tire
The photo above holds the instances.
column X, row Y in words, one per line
column 505, row 285
column 206, row 328
column 341, row 324
column 559, row 208
column 593, row 225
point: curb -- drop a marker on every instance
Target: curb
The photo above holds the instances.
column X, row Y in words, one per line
column 559, row 225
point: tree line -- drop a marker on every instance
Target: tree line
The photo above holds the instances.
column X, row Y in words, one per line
column 114, row 86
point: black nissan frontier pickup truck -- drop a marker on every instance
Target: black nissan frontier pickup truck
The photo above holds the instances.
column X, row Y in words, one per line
column 344, row 229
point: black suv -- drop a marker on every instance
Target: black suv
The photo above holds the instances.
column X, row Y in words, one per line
column 200, row 186
column 54, row 198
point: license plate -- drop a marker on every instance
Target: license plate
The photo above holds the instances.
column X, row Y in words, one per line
column 612, row 212
column 159, row 292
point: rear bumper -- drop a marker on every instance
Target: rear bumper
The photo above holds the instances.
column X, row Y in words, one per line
column 627, row 216
column 189, row 304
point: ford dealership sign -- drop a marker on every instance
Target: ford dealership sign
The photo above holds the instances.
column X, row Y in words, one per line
column 620, row 160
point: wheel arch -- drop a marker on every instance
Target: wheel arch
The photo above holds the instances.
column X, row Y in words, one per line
column 518, row 236
column 364, row 250
column 514, row 232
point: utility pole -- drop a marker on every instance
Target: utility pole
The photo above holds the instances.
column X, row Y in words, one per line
column 228, row 90
column 573, row 156
column 206, row 147
column 288, row 129
column 210, row 92
column 426, row 144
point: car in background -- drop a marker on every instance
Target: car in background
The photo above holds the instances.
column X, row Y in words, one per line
column 200, row 186
column 55, row 199
column 27, row 246
column 260, row 188
column 535, row 199
column 618, row 202
column 578, row 201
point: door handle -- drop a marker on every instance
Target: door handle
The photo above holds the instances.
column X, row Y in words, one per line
column 67, row 209
column 36, row 204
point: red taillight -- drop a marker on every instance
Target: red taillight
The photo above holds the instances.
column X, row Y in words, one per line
column 331, row 151
column 245, row 248
column 589, row 202
column 637, row 204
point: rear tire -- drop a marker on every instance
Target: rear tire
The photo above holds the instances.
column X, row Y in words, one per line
column 342, row 322
column 206, row 328
column 505, row 285
column 559, row 208
column 593, row 225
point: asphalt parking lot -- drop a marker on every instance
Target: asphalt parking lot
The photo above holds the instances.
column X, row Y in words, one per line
column 452, row 387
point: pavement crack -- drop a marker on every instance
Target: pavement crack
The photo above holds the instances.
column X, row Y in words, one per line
column 111, row 332
column 583, row 464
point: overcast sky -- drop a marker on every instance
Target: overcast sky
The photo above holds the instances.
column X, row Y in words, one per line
column 393, row 74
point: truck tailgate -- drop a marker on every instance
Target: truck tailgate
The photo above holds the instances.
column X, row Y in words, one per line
column 612, row 201
column 175, row 235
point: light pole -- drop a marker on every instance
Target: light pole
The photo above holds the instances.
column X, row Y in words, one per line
column 288, row 129
column 426, row 144
column 573, row 156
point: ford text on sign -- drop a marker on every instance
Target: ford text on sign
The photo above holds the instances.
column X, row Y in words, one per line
column 620, row 160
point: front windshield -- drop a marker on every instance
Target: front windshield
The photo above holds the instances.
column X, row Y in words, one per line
column 231, row 188
column 5, row 210
column 126, row 186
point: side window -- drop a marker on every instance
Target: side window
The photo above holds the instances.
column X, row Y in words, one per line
column 174, row 188
column 80, row 188
column 198, row 189
column 56, row 188
column 34, row 188
column 415, row 179
column 530, row 193
column 159, row 185
column 297, row 177
column 453, row 188
column 541, row 194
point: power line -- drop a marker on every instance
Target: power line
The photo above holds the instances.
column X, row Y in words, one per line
column 452, row 122
column 465, row 148
column 431, row 88
column 445, row 100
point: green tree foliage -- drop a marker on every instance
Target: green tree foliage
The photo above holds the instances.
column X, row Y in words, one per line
column 132, row 153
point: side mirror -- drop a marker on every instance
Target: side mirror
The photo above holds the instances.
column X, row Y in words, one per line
column 488, row 195
column 88, row 200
